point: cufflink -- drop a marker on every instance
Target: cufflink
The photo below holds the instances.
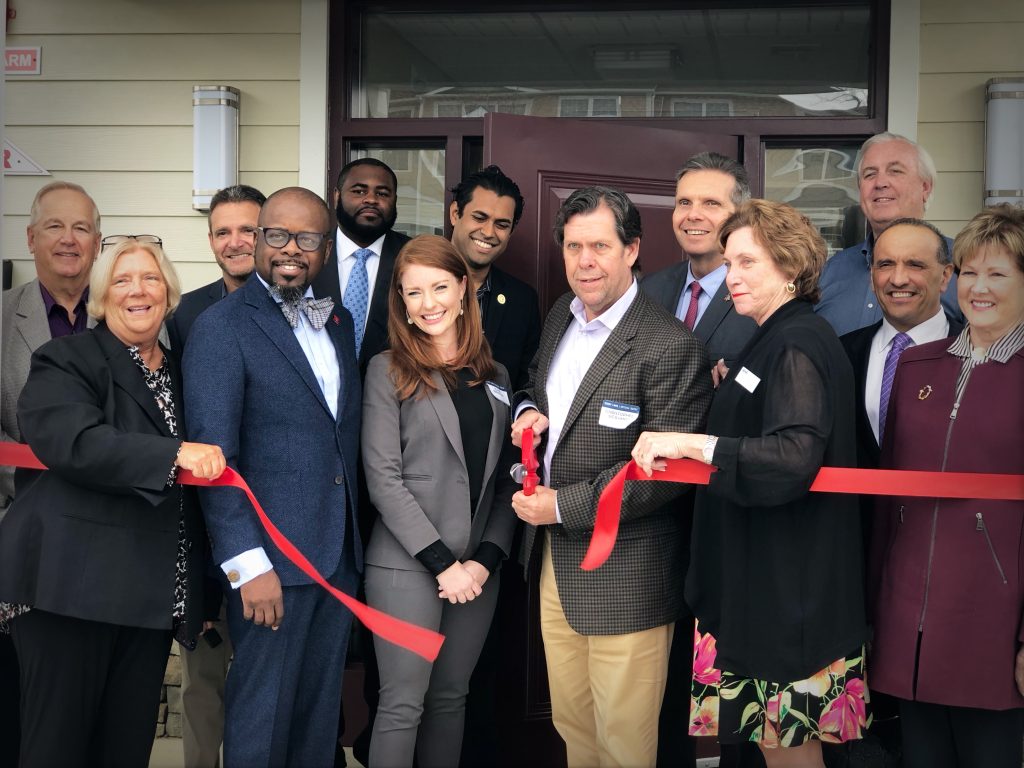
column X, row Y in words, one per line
column 501, row 298
column 233, row 576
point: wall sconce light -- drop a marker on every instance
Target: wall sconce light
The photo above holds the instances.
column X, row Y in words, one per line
column 214, row 141
column 1004, row 140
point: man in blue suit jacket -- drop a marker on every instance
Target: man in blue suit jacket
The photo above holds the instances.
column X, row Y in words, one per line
column 272, row 378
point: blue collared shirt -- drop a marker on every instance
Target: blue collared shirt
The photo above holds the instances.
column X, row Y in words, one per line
column 709, row 285
column 847, row 297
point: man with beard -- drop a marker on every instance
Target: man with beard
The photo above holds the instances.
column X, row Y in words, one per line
column 271, row 377
column 486, row 208
column 234, row 214
column 365, row 248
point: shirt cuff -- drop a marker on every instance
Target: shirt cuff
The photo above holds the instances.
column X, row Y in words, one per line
column 524, row 406
column 436, row 558
column 489, row 555
column 246, row 566
column 558, row 514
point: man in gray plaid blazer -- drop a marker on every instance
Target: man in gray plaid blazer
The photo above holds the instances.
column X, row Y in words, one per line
column 611, row 364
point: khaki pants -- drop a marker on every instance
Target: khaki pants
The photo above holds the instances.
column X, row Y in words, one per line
column 202, row 698
column 606, row 690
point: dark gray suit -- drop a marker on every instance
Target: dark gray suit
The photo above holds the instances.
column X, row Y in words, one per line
column 192, row 305
column 723, row 331
column 416, row 471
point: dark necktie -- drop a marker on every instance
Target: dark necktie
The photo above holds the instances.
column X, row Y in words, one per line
column 899, row 342
column 691, row 311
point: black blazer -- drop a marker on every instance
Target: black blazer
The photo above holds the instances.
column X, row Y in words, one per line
column 96, row 536
column 722, row 329
column 328, row 283
column 512, row 325
column 858, row 345
column 192, row 305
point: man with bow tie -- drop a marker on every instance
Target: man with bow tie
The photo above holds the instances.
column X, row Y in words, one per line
column 271, row 377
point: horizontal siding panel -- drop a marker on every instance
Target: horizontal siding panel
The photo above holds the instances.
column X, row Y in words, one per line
column 954, row 146
column 147, row 16
column 202, row 58
column 949, row 228
column 956, row 196
column 145, row 148
column 958, row 12
column 972, row 47
column 953, row 98
column 140, row 103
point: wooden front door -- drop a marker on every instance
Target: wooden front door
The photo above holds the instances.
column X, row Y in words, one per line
column 549, row 158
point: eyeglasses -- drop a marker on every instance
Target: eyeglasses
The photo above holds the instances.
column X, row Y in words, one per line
column 117, row 239
column 276, row 237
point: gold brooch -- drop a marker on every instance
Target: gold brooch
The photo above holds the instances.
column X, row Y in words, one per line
column 501, row 298
column 924, row 392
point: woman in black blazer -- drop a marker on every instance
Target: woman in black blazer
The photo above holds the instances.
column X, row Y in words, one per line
column 99, row 555
column 436, row 451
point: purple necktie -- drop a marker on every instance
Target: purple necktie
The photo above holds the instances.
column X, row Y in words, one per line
column 691, row 311
column 899, row 342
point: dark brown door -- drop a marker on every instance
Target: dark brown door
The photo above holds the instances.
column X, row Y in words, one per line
column 549, row 158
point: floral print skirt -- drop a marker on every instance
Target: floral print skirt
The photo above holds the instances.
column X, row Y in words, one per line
column 829, row 706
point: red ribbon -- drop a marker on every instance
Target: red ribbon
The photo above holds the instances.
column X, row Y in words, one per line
column 420, row 641
column 877, row 482
column 530, row 463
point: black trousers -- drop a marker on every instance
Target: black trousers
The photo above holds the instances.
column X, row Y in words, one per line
column 939, row 736
column 10, row 718
column 89, row 690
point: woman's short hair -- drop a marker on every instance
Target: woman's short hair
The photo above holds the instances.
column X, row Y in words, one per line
column 413, row 355
column 792, row 241
column 103, row 270
column 1001, row 225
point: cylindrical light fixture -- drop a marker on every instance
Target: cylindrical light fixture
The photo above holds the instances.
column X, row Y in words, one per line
column 214, row 141
column 1004, row 140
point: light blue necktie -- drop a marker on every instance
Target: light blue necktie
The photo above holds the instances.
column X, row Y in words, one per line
column 357, row 292
column 899, row 343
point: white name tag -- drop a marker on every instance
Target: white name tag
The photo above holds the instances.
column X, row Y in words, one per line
column 498, row 393
column 618, row 415
column 747, row 380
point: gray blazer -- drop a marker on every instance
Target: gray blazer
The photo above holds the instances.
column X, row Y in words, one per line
column 416, row 473
column 723, row 330
column 25, row 329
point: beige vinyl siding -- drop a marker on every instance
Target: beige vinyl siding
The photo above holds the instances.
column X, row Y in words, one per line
column 112, row 110
column 962, row 46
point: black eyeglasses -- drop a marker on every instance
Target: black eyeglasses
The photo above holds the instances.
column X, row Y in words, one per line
column 117, row 239
column 276, row 237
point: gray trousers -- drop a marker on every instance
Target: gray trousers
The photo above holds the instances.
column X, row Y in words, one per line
column 422, row 705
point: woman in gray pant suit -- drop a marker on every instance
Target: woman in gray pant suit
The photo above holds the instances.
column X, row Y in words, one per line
column 436, row 451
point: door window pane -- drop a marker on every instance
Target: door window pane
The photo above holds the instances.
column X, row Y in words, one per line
column 420, row 199
column 821, row 183
column 722, row 62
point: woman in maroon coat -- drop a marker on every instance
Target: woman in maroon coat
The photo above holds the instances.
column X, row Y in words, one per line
column 949, row 597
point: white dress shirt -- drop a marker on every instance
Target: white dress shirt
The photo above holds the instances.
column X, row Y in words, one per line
column 709, row 285
column 323, row 359
column 576, row 352
column 346, row 260
column 933, row 329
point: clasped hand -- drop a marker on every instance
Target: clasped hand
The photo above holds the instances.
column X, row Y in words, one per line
column 461, row 582
column 206, row 462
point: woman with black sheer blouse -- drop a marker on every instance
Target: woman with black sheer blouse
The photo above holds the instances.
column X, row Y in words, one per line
column 775, row 576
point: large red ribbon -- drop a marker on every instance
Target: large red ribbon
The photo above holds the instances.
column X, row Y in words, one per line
column 877, row 482
column 420, row 641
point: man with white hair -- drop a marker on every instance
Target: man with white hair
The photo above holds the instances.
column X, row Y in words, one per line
column 896, row 176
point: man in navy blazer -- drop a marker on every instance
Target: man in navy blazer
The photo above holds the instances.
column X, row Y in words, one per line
column 272, row 378
column 709, row 187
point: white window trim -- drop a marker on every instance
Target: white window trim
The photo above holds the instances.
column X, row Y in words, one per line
column 313, row 33
column 904, row 67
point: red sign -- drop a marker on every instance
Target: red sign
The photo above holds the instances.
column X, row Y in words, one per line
column 23, row 61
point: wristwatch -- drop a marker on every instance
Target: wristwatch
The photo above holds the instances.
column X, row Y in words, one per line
column 708, row 451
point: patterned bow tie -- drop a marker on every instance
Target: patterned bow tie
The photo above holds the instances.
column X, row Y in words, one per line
column 316, row 310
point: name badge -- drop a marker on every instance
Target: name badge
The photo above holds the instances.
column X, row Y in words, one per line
column 498, row 392
column 618, row 415
column 747, row 380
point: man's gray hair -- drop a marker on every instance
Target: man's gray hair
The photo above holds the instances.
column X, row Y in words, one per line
column 589, row 199
column 713, row 161
column 925, row 164
column 55, row 186
column 942, row 253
